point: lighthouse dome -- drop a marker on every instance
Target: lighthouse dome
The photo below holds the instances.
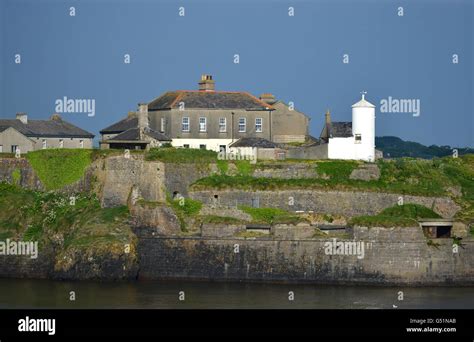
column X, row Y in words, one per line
column 363, row 103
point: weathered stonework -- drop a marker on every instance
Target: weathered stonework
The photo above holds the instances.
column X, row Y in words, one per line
column 159, row 217
column 407, row 261
column 366, row 172
column 346, row 203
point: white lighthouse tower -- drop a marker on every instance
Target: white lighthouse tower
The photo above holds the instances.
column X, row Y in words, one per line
column 363, row 129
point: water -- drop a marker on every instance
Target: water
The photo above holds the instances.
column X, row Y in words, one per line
column 26, row 293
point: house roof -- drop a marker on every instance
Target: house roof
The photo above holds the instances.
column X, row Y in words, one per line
column 208, row 100
column 133, row 134
column 253, row 142
column 45, row 128
column 122, row 125
column 341, row 129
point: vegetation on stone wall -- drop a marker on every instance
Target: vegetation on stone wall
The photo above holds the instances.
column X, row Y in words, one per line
column 184, row 208
column 436, row 177
column 397, row 216
column 57, row 168
column 271, row 215
column 181, row 155
column 50, row 218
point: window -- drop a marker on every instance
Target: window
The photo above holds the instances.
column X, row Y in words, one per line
column 14, row 148
column 186, row 145
column 185, row 124
column 258, row 125
column 202, row 124
column 222, row 148
column 202, row 147
column 44, row 144
column 242, row 125
column 61, row 143
column 81, row 143
column 358, row 138
column 222, row 125
column 162, row 125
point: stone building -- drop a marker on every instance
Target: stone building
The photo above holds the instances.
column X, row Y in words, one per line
column 24, row 135
column 211, row 119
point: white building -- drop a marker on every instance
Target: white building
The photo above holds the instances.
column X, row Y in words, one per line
column 351, row 140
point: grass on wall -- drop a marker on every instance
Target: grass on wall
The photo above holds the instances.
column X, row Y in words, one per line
column 271, row 215
column 59, row 167
column 181, row 155
column 397, row 216
column 46, row 217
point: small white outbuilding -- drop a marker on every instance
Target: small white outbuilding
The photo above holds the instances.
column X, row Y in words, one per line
column 352, row 140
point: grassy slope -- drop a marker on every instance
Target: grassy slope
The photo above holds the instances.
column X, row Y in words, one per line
column 59, row 167
column 47, row 217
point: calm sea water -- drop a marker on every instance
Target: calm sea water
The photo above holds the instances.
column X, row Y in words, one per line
column 27, row 293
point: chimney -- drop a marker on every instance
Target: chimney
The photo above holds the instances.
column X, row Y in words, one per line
column 55, row 117
column 206, row 83
column 268, row 98
column 328, row 117
column 143, row 116
column 22, row 117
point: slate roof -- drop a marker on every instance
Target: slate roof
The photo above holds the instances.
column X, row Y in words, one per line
column 253, row 142
column 133, row 134
column 45, row 128
column 208, row 100
column 340, row 129
column 121, row 126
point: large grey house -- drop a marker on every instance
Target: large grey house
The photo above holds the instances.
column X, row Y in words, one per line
column 24, row 135
column 208, row 119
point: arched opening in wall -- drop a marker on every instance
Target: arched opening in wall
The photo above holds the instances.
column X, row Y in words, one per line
column 176, row 195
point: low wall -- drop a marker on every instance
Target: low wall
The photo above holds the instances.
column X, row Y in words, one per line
column 346, row 203
column 407, row 262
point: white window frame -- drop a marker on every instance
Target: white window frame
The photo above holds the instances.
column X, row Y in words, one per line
column 258, row 126
column 244, row 125
column 61, row 143
column 202, row 124
column 185, row 124
column 358, row 138
column 44, row 144
column 162, row 125
column 222, row 125
column 81, row 143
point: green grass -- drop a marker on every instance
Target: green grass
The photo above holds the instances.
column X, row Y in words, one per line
column 397, row 216
column 184, row 208
column 219, row 219
column 181, row 155
column 247, row 234
column 59, row 167
column 271, row 215
column 39, row 216
column 337, row 169
column 16, row 176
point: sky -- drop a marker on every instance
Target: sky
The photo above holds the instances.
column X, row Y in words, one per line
column 297, row 58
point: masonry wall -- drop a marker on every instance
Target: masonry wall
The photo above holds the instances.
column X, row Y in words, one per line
column 408, row 261
column 346, row 203
column 308, row 152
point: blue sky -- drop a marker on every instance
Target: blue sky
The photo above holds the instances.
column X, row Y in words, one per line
column 297, row 58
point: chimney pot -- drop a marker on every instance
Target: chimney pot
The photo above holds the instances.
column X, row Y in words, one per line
column 206, row 83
